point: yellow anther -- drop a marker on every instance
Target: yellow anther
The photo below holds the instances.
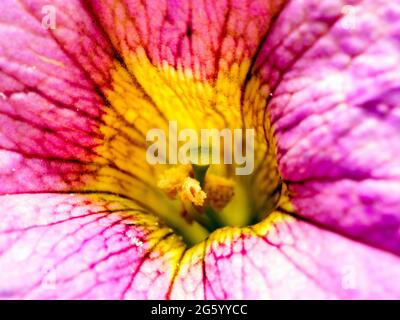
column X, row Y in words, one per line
column 172, row 180
column 180, row 183
column 219, row 191
column 191, row 191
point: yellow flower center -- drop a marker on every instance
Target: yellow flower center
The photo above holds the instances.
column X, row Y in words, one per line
column 192, row 199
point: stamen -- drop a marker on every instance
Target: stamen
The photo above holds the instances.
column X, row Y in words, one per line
column 220, row 191
column 172, row 180
column 191, row 191
column 179, row 183
column 202, row 194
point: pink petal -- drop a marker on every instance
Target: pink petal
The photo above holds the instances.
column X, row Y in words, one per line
column 83, row 247
column 286, row 259
column 50, row 106
column 205, row 37
column 334, row 72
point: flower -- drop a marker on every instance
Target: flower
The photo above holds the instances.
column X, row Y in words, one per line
column 82, row 211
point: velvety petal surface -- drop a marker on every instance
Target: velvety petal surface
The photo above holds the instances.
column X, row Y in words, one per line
column 285, row 258
column 50, row 111
column 333, row 68
column 81, row 247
